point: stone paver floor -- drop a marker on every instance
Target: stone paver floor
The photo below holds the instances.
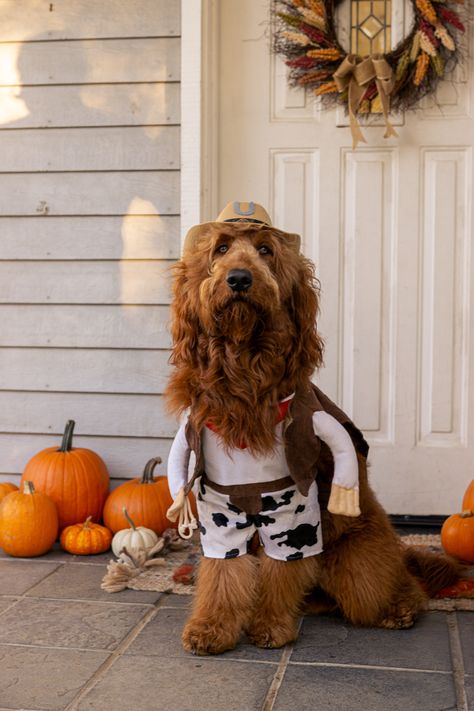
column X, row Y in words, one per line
column 65, row 644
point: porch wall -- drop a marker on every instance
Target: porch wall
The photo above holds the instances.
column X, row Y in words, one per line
column 89, row 225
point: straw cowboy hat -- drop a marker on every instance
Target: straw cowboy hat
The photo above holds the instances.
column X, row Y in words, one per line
column 237, row 213
column 244, row 212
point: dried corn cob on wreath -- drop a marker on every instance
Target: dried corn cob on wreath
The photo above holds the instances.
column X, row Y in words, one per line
column 306, row 38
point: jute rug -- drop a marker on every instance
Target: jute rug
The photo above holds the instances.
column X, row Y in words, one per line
column 172, row 571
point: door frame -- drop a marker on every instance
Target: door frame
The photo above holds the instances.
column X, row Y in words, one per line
column 199, row 112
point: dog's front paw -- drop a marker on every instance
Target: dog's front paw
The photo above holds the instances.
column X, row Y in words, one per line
column 208, row 637
column 273, row 634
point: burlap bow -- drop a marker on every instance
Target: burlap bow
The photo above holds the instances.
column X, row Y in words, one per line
column 356, row 73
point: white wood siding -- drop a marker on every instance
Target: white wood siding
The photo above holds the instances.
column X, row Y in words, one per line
column 89, row 225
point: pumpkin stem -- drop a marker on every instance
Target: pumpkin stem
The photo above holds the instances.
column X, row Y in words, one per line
column 28, row 487
column 66, row 444
column 147, row 477
column 467, row 513
column 87, row 522
column 125, row 513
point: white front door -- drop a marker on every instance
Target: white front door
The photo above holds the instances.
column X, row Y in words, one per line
column 389, row 228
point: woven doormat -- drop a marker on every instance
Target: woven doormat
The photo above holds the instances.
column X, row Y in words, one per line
column 170, row 572
column 174, row 573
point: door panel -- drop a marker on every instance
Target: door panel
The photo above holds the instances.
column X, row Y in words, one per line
column 389, row 229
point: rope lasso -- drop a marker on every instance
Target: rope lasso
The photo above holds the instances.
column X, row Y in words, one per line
column 181, row 510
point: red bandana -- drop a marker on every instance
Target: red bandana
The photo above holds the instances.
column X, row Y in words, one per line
column 281, row 414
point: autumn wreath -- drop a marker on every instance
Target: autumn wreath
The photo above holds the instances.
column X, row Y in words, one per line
column 306, row 37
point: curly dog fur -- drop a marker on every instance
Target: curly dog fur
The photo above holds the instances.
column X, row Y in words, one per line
column 236, row 354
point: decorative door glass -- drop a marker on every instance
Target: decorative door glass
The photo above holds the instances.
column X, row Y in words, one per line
column 370, row 26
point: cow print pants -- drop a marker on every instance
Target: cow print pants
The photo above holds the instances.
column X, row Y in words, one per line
column 288, row 524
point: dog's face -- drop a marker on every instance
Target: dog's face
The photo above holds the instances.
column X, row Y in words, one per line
column 244, row 328
column 240, row 274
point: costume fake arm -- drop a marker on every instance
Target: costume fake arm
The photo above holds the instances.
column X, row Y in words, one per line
column 178, row 462
column 344, row 498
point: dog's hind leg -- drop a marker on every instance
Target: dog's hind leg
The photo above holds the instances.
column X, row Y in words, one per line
column 282, row 588
column 225, row 595
column 367, row 577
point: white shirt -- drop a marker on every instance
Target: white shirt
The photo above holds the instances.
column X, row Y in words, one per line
column 239, row 466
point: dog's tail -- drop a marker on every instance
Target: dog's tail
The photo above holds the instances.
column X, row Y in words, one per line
column 432, row 570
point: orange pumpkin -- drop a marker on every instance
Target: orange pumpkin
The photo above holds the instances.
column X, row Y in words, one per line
column 7, row 488
column 86, row 538
column 75, row 478
column 28, row 522
column 146, row 499
column 468, row 499
column 457, row 536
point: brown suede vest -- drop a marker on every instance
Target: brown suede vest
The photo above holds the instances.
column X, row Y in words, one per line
column 302, row 448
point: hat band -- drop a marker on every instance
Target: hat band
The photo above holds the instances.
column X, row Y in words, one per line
column 245, row 219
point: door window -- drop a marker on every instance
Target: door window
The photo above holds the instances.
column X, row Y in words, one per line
column 370, row 26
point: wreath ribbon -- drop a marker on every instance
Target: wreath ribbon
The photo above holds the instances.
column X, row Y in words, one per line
column 355, row 73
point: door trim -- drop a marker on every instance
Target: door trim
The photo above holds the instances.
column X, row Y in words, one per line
column 190, row 183
column 199, row 111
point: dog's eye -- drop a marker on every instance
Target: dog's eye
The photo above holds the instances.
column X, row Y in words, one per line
column 263, row 249
column 222, row 249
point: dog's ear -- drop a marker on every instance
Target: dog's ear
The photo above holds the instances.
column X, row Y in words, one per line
column 185, row 331
column 184, row 319
column 307, row 353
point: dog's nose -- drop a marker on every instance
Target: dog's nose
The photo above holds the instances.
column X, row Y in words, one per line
column 239, row 279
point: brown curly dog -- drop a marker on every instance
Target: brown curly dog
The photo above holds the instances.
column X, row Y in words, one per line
column 238, row 351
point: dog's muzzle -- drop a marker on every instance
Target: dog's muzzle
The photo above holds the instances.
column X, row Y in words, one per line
column 239, row 279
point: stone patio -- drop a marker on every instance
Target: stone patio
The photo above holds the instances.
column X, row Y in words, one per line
column 65, row 644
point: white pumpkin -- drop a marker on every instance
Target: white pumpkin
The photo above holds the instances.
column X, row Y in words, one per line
column 134, row 539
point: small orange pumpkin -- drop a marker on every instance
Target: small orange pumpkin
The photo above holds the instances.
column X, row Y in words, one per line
column 75, row 478
column 7, row 488
column 457, row 536
column 146, row 499
column 86, row 538
column 468, row 499
column 28, row 522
